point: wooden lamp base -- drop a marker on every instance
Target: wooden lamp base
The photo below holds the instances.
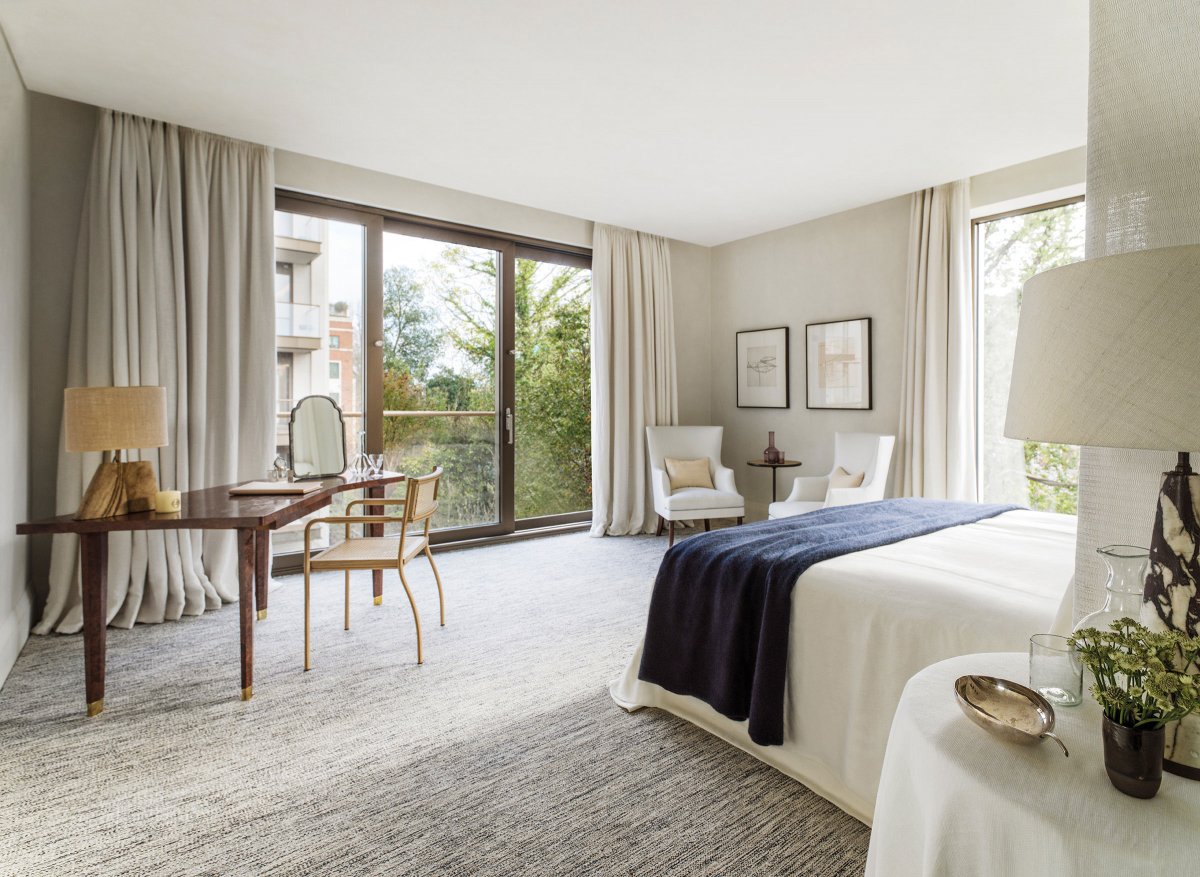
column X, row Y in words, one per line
column 119, row 489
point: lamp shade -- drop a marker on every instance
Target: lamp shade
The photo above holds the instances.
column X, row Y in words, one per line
column 115, row 418
column 1108, row 353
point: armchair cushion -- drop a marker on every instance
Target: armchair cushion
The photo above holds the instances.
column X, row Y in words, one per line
column 692, row 498
column 841, row 478
column 688, row 473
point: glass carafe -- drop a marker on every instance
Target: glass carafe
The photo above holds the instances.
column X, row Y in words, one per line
column 1123, row 591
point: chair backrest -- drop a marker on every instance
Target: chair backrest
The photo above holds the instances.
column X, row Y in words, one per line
column 864, row 452
column 684, row 443
column 421, row 497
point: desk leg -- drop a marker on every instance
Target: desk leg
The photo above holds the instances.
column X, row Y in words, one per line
column 245, row 560
column 93, row 556
column 376, row 530
column 774, row 486
column 262, row 570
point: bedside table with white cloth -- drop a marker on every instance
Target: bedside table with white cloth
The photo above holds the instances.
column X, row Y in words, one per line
column 954, row 799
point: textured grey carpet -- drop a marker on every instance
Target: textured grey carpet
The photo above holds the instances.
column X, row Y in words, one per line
column 502, row 755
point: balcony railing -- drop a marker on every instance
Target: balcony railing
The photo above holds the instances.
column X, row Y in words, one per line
column 351, row 415
column 297, row 320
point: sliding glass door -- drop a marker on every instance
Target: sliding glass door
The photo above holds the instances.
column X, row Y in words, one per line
column 447, row 347
column 442, row 398
column 552, row 386
column 320, row 313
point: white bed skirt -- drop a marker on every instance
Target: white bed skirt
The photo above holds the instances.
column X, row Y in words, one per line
column 863, row 623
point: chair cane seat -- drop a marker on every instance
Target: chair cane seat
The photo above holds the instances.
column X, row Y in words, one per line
column 378, row 553
column 372, row 552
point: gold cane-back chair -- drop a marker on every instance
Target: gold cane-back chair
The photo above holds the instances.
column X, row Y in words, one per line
column 378, row 552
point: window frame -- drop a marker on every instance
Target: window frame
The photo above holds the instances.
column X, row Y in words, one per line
column 977, row 303
column 377, row 220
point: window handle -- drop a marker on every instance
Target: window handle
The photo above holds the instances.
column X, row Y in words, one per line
column 508, row 423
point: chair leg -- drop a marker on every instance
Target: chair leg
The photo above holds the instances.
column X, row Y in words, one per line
column 437, row 577
column 307, row 629
column 670, row 533
column 416, row 614
column 658, row 529
column 706, row 523
column 347, row 624
column 741, row 520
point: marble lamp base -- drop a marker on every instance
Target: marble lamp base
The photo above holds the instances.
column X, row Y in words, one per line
column 1172, row 593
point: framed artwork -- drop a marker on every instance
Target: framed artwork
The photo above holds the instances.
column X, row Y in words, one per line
column 762, row 368
column 838, row 357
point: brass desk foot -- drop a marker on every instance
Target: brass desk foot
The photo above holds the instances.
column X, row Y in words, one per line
column 262, row 614
column 247, row 692
column 379, row 600
column 95, row 707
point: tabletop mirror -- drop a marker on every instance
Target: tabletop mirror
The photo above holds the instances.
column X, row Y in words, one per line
column 317, row 438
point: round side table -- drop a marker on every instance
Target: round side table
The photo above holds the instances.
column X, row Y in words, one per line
column 786, row 464
column 954, row 799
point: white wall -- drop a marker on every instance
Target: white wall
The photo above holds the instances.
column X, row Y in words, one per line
column 851, row 264
column 61, row 147
column 15, row 602
column 1030, row 183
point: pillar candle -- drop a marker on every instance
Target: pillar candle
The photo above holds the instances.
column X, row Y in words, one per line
column 167, row 502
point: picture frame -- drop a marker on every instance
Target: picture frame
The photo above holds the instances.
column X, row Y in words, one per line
column 838, row 365
column 763, row 366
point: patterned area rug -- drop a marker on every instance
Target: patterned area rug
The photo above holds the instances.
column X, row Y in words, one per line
column 501, row 755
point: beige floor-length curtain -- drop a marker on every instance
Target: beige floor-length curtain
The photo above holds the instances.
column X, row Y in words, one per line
column 936, row 453
column 172, row 287
column 633, row 372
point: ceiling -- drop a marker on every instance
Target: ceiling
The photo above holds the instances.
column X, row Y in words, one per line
column 702, row 121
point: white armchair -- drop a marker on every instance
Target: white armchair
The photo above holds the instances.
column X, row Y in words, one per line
column 855, row 452
column 722, row 500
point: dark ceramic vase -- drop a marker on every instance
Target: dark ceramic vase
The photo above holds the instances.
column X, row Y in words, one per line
column 1133, row 758
column 772, row 454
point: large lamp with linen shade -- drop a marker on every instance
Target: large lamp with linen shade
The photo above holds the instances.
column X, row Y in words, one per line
column 1108, row 355
column 115, row 419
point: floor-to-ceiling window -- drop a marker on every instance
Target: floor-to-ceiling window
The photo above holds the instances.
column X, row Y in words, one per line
column 1009, row 249
column 447, row 346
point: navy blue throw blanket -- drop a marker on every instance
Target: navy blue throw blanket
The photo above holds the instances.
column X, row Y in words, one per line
column 721, row 608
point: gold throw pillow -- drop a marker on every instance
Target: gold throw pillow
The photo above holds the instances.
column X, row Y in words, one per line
column 842, row 478
column 688, row 473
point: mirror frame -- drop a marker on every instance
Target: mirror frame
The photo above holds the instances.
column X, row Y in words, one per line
column 292, row 440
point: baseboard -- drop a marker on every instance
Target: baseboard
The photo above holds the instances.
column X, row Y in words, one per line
column 14, row 631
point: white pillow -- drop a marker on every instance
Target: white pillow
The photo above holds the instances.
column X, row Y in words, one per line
column 688, row 473
column 841, row 478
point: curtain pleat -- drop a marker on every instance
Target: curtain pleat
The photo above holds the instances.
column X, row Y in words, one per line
column 172, row 288
column 937, row 454
column 633, row 372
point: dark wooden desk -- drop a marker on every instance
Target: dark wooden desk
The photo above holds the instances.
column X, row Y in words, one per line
column 253, row 517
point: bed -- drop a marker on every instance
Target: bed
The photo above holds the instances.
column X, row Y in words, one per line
column 861, row 624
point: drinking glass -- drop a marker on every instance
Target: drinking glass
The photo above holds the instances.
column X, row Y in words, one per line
column 376, row 461
column 1055, row 671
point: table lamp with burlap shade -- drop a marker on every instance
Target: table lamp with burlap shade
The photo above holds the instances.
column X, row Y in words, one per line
column 1107, row 357
column 114, row 419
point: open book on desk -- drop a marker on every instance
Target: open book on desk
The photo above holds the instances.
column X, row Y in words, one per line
column 275, row 488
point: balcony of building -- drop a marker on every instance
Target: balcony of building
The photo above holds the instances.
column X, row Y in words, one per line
column 297, row 326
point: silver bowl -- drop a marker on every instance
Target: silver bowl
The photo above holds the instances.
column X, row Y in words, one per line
column 1007, row 709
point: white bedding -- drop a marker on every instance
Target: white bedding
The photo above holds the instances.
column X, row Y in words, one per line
column 863, row 623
